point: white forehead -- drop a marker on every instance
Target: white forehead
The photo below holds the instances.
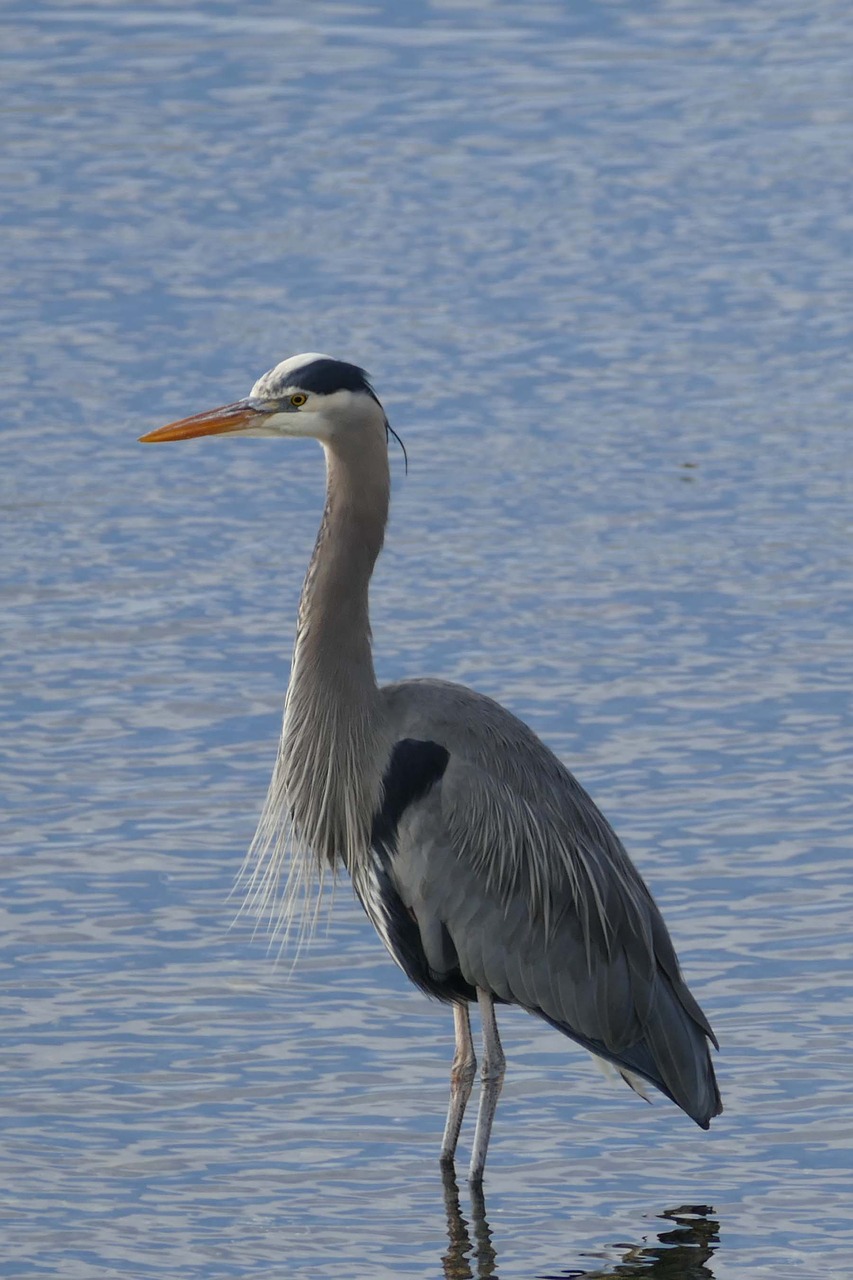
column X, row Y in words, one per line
column 286, row 373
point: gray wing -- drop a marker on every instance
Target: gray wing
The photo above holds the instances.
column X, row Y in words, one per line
column 509, row 879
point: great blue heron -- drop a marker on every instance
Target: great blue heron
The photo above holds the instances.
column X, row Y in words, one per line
column 485, row 867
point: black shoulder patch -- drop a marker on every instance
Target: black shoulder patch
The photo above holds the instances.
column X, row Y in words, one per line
column 326, row 376
column 414, row 767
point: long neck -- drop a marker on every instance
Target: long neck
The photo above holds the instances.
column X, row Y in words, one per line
column 331, row 751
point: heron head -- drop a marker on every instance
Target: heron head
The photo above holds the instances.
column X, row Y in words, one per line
column 307, row 395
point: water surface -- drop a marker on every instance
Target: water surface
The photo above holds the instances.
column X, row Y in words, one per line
column 598, row 260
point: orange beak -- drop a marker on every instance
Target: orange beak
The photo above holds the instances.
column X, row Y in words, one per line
column 214, row 422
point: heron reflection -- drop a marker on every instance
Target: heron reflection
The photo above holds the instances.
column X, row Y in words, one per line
column 681, row 1252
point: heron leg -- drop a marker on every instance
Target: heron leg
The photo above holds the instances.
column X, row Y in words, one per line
column 492, row 1078
column 462, row 1072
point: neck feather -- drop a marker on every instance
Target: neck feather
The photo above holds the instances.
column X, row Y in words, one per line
column 331, row 756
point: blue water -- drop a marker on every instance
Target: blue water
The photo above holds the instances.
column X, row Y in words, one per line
column 598, row 260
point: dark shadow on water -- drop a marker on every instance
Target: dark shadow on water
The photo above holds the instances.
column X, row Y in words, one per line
column 682, row 1252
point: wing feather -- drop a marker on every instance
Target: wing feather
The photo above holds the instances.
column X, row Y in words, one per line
column 539, row 899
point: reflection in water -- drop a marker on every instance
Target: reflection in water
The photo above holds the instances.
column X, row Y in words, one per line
column 460, row 1252
column 679, row 1254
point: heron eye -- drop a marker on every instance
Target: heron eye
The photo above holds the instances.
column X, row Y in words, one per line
column 298, row 400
